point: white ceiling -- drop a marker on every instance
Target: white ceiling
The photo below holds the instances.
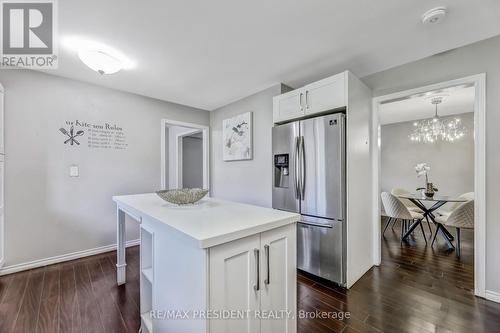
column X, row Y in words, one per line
column 456, row 100
column 209, row 53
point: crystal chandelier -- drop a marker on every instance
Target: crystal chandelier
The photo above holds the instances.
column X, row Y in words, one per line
column 434, row 129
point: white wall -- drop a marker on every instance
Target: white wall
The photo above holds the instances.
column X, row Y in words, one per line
column 248, row 181
column 192, row 162
column 47, row 212
column 481, row 57
column 452, row 164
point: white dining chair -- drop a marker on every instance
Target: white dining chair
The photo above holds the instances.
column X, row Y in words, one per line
column 461, row 217
column 447, row 209
column 396, row 209
column 409, row 204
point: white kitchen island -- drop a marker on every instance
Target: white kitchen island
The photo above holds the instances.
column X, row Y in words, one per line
column 216, row 266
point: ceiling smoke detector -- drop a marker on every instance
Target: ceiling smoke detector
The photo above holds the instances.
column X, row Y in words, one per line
column 434, row 15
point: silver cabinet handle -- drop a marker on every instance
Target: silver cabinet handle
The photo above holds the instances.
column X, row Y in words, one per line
column 297, row 170
column 300, row 102
column 307, row 99
column 302, row 158
column 256, row 286
column 266, row 253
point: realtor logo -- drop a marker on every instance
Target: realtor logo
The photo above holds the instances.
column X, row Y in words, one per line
column 28, row 34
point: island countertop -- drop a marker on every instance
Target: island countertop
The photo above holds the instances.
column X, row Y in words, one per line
column 210, row 221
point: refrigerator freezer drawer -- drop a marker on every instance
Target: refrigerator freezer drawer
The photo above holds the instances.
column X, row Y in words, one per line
column 316, row 221
column 320, row 250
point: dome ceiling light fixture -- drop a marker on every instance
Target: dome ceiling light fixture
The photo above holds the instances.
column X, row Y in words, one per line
column 434, row 15
column 434, row 129
column 100, row 61
column 99, row 57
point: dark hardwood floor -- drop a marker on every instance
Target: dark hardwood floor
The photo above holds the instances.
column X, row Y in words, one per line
column 416, row 289
column 76, row 296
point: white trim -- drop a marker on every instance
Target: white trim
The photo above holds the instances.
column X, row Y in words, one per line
column 62, row 258
column 492, row 296
column 2, row 177
column 179, row 150
column 480, row 185
column 206, row 150
column 479, row 82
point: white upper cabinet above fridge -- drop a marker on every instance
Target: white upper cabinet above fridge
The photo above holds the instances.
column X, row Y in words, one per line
column 325, row 95
column 289, row 105
column 317, row 97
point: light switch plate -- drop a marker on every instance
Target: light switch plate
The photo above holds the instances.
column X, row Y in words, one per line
column 73, row 171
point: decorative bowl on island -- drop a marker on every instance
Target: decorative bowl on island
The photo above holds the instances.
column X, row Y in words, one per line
column 182, row 196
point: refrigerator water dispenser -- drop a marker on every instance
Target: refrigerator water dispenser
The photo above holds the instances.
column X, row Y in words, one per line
column 281, row 170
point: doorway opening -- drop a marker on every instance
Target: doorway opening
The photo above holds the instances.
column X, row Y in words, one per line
column 415, row 133
column 190, row 160
column 184, row 155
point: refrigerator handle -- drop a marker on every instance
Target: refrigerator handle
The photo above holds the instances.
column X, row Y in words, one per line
column 302, row 168
column 296, row 164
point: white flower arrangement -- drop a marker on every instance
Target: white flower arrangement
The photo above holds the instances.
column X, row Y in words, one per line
column 423, row 169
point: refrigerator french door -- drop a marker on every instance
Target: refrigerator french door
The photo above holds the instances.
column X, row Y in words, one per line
column 309, row 178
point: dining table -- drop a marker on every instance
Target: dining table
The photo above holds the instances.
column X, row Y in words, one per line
column 433, row 203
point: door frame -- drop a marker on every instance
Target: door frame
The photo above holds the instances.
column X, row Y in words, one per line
column 179, row 151
column 206, row 150
column 479, row 82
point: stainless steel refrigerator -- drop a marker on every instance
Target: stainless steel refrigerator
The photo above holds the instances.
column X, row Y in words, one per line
column 309, row 178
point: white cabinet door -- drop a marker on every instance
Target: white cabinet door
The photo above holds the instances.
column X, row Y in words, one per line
column 278, row 274
column 234, row 284
column 325, row 95
column 288, row 106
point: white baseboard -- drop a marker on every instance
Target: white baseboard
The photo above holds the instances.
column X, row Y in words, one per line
column 492, row 296
column 65, row 257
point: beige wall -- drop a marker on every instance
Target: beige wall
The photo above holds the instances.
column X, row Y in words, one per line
column 481, row 57
column 48, row 213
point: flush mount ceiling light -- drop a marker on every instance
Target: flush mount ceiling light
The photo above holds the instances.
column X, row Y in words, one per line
column 97, row 56
column 434, row 15
column 100, row 61
column 434, row 129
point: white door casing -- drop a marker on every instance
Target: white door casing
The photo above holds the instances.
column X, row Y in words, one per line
column 163, row 153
